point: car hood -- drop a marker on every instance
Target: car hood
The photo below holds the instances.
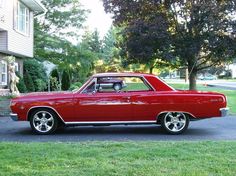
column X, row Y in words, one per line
column 48, row 95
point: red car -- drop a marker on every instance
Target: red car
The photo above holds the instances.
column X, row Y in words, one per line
column 145, row 99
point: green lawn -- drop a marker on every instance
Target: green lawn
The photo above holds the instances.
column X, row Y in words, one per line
column 231, row 94
column 118, row 158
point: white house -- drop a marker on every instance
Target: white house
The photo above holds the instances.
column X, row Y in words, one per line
column 16, row 33
column 232, row 67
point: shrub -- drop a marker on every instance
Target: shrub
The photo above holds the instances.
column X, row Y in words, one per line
column 21, row 85
column 34, row 75
column 29, row 82
column 65, row 81
column 75, row 85
column 41, row 85
column 54, row 84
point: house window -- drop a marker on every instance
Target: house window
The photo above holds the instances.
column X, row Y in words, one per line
column 3, row 73
column 16, row 67
column 21, row 18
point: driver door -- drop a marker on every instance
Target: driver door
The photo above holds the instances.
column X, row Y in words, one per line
column 94, row 106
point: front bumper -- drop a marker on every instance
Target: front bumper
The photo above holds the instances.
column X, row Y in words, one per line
column 224, row 111
column 14, row 116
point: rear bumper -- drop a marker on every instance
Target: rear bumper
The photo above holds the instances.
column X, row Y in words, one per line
column 224, row 111
column 14, row 116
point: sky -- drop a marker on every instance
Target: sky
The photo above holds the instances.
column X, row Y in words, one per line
column 97, row 18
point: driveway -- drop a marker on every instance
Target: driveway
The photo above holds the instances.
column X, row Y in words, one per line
column 209, row 129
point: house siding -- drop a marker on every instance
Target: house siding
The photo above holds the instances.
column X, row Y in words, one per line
column 13, row 42
column 3, row 41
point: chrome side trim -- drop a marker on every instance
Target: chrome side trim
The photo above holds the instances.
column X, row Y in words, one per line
column 109, row 122
column 163, row 112
column 45, row 107
column 224, row 111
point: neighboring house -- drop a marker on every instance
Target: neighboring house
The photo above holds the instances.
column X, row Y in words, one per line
column 16, row 33
column 232, row 68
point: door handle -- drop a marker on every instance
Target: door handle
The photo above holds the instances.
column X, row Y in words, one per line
column 128, row 99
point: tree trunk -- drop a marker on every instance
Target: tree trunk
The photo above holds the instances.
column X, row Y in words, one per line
column 192, row 70
column 151, row 69
column 192, row 80
column 60, row 72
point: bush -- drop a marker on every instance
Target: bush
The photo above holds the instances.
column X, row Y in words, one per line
column 21, row 85
column 41, row 85
column 54, row 84
column 76, row 85
column 29, row 82
column 34, row 75
column 65, row 81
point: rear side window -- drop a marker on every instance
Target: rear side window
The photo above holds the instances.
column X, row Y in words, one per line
column 118, row 84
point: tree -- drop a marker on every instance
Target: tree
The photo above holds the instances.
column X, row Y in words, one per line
column 111, row 60
column 90, row 48
column 53, row 35
column 195, row 33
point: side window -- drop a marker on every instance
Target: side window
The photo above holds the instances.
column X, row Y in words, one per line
column 110, row 84
column 121, row 84
column 135, row 84
column 90, row 88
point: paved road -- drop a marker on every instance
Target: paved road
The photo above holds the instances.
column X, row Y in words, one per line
column 224, row 85
column 210, row 129
column 231, row 85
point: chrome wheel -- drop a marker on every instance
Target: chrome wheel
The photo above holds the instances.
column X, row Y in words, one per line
column 175, row 122
column 43, row 121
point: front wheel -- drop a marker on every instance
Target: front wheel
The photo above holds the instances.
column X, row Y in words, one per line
column 175, row 122
column 43, row 121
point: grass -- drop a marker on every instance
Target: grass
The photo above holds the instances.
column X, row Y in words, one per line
column 231, row 94
column 118, row 158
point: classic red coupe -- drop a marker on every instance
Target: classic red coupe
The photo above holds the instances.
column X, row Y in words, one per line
column 118, row 98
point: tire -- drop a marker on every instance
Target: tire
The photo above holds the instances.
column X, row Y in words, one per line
column 43, row 121
column 117, row 86
column 175, row 122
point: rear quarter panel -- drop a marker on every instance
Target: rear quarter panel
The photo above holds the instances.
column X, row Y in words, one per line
column 198, row 105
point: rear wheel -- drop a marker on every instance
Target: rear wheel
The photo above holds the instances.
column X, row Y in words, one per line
column 175, row 122
column 43, row 121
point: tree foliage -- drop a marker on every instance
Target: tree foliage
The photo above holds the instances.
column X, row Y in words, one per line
column 54, row 33
column 34, row 75
column 21, row 84
column 197, row 34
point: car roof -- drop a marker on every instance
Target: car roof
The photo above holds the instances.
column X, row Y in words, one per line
column 121, row 74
